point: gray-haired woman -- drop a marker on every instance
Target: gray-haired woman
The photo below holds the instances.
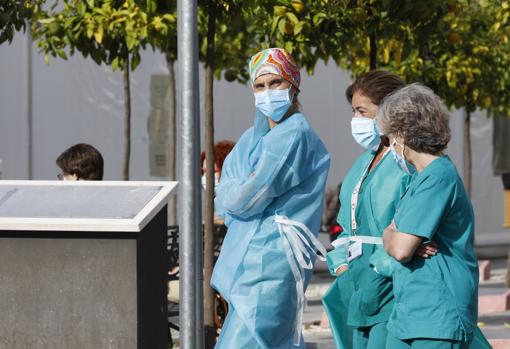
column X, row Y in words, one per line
column 436, row 297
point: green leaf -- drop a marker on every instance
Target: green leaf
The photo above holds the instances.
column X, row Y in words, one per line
column 135, row 61
column 279, row 10
column 98, row 35
column 281, row 26
column 115, row 63
column 292, row 18
column 298, row 28
column 289, row 46
column 47, row 20
column 96, row 56
column 90, row 31
column 151, row 6
column 130, row 42
column 274, row 24
column 318, row 18
column 62, row 54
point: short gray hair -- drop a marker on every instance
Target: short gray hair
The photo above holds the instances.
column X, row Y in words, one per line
column 419, row 116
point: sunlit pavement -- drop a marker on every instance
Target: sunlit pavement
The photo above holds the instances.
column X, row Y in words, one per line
column 495, row 324
column 317, row 334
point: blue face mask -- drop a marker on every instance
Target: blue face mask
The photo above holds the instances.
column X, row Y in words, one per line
column 273, row 103
column 365, row 132
column 400, row 159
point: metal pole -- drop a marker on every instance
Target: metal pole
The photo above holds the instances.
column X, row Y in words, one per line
column 190, row 208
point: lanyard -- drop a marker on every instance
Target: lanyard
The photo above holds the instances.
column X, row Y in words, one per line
column 355, row 194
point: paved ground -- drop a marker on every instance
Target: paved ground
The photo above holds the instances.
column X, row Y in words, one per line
column 495, row 326
column 317, row 337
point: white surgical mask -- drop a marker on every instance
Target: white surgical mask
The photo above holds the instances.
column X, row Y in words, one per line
column 365, row 132
column 216, row 181
column 401, row 160
column 273, row 103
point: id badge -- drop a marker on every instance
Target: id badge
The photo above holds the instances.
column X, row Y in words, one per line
column 355, row 250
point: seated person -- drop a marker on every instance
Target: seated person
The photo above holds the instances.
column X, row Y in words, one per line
column 80, row 162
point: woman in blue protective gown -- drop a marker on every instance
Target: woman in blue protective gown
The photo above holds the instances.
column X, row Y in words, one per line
column 271, row 196
column 359, row 301
column 435, row 298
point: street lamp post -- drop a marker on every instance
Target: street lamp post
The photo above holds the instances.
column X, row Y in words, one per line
column 191, row 240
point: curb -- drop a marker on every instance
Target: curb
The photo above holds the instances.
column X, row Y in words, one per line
column 500, row 343
column 484, row 267
column 494, row 303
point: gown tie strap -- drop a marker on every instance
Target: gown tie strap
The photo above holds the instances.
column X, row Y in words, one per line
column 300, row 246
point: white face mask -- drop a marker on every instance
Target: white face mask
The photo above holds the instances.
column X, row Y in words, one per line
column 400, row 159
column 273, row 103
column 216, row 181
column 365, row 132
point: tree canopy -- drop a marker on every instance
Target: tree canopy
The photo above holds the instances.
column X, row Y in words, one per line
column 109, row 31
column 14, row 15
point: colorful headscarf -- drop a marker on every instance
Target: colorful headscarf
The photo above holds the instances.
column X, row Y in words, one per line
column 275, row 61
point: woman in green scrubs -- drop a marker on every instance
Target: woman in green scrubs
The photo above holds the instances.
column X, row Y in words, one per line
column 435, row 298
column 359, row 301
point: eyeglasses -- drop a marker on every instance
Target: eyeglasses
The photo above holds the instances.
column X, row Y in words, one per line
column 60, row 176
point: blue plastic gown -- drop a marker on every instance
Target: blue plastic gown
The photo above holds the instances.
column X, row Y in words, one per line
column 280, row 171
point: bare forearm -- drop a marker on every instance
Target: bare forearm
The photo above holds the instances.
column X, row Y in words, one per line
column 400, row 246
column 391, row 247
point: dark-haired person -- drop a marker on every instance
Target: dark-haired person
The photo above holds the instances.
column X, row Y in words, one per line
column 80, row 162
column 360, row 301
column 437, row 297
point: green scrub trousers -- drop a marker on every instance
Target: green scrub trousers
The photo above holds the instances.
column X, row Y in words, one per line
column 373, row 337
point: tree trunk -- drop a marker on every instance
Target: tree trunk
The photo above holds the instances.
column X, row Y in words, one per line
column 30, row 106
column 127, row 120
column 467, row 153
column 373, row 44
column 209, row 331
column 373, row 52
column 172, row 145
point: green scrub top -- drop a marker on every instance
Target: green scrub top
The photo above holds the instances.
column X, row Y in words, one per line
column 379, row 195
column 437, row 297
column 360, row 297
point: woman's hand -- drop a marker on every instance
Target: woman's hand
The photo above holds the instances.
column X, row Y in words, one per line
column 426, row 250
